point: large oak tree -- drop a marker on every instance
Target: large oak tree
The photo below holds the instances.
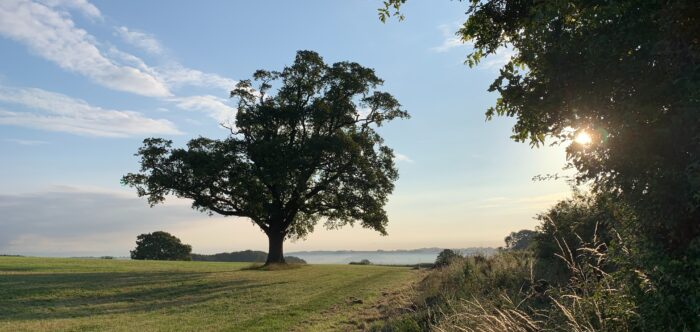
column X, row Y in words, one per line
column 304, row 148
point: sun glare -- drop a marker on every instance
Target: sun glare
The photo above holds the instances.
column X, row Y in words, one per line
column 583, row 138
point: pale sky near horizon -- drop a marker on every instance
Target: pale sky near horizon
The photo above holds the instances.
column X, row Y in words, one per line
column 82, row 83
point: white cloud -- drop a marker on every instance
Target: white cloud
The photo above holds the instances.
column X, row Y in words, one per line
column 52, row 35
column 176, row 75
column 498, row 59
column 450, row 39
column 213, row 106
column 26, row 142
column 140, row 39
column 58, row 112
column 403, row 157
column 47, row 29
column 83, row 6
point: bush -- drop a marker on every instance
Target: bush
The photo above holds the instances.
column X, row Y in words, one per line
column 520, row 240
column 591, row 268
column 161, row 246
column 362, row 262
column 568, row 282
column 445, row 257
column 294, row 260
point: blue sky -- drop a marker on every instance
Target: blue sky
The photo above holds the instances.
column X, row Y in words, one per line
column 82, row 83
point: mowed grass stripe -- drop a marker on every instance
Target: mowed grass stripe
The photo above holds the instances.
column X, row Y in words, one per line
column 88, row 294
column 320, row 301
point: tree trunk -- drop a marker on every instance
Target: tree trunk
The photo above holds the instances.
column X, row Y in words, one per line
column 275, row 253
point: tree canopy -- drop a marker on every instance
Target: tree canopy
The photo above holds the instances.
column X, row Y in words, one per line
column 304, row 147
column 627, row 74
column 520, row 240
column 161, row 246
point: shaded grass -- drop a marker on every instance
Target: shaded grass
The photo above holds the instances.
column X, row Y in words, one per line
column 85, row 294
column 273, row 267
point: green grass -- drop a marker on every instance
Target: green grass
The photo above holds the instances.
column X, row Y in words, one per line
column 91, row 294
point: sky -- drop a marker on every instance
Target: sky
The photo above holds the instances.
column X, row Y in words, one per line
column 82, row 83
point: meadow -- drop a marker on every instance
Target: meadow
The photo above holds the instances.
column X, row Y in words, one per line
column 96, row 294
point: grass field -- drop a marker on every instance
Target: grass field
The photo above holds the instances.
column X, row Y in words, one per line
column 91, row 294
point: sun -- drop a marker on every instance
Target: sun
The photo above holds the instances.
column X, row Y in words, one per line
column 583, row 138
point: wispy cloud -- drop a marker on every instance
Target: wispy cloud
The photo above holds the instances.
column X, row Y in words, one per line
column 26, row 142
column 403, row 158
column 537, row 202
column 498, row 59
column 57, row 112
column 176, row 75
column 59, row 218
column 140, row 39
column 450, row 39
column 213, row 106
column 47, row 29
column 52, row 35
column 82, row 6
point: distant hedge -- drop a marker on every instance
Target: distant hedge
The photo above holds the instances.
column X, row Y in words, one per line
column 252, row 256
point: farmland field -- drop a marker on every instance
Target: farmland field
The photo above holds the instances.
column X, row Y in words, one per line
column 92, row 294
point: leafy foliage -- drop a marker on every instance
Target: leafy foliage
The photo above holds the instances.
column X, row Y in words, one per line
column 161, row 246
column 309, row 151
column 520, row 240
column 445, row 257
column 626, row 72
column 391, row 8
column 573, row 221
column 575, row 287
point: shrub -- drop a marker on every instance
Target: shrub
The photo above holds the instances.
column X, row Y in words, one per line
column 520, row 240
column 445, row 257
column 294, row 260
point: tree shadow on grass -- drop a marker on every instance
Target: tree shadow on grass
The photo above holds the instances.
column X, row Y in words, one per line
column 273, row 267
column 68, row 295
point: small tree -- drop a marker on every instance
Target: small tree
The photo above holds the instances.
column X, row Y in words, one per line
column 445, row 257
column 161, row 246
column 520, row 240
column 309, row 151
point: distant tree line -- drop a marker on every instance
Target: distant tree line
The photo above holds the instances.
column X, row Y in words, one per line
column 252, row 256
